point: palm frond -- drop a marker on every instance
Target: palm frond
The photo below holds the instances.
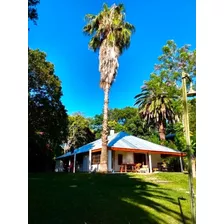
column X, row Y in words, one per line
column 89, row 17
column 94, row 43
column 111, row 26
column 105, row 7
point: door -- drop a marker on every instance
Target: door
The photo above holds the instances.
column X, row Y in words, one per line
column 140, row 158
column 85, row 163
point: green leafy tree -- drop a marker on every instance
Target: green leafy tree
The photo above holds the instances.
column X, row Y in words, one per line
column 32, row 10
column 171, row 64
column 174, row 61
column 125, row 119
column 96, row 125
column 177, row 130
column 111, row 34
column 79, row 131
column 47, row 117
column 153, row 136
column 116, row 126
column 160, row 101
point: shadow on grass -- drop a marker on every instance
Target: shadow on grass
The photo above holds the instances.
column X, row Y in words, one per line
column 98, row 199
column 181, row 211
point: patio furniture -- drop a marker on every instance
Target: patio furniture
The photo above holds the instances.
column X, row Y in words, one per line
column 144, row 169
column 164, row 166
column 154, row 169
column 137, row 167
column 127, row 167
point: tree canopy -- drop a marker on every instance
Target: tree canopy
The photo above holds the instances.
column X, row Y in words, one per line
column 160, row 100
column 157, row 103
column 125, row 119
column 175, row 60
column 47, row 117
column 109, row 25
column 79, row 131
column 32, row 10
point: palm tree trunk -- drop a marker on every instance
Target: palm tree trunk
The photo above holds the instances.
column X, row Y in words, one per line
column 103, row 156
column 162, row 132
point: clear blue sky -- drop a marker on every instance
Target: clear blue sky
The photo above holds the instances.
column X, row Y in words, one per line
column 59, row 35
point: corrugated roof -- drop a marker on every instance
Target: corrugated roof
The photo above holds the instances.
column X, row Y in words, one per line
column 123, row 140
column 67, row 154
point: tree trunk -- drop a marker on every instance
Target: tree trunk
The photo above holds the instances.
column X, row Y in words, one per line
column 162, row 132
column 108, row 65
column 103, row 156
column 194, row 167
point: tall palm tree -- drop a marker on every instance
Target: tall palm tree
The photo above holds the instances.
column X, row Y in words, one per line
column 156, row 105
column 111, row 34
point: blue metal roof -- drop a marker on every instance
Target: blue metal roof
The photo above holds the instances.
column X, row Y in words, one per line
column 65, row 155
column 123, row 140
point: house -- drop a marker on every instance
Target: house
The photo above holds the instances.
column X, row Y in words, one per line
column 124, row 150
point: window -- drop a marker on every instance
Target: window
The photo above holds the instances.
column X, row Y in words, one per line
column 139, row 158
column 96, row 158
column 120, row 159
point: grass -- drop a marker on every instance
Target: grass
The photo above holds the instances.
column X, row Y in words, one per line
column 108, row 199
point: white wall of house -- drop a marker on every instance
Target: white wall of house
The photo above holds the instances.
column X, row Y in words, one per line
column 156, row 158
column 59, row 166
column 95, row 167
column 128, row 157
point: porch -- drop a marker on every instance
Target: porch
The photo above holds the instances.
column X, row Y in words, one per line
column 124, row 161
column 126, row 153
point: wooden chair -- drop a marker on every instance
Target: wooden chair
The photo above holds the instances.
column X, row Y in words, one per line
column 121, row 168
column 164, row 167
column 154, row 169
column 137, row 167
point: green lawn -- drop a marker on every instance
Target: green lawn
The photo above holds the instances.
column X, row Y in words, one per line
column 108, row 199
